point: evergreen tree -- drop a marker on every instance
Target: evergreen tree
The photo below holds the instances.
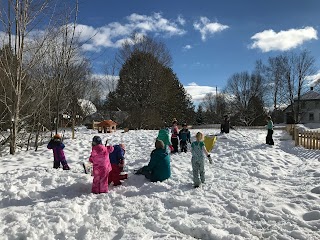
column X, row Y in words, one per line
column 200, row 116
column 149, row 92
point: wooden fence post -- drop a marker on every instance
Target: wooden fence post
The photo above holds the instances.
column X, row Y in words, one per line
column 296, row 136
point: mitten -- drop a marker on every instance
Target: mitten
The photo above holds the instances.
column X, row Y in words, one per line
column 209, row 158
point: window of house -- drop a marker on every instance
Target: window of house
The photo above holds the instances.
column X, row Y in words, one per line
column 311, row 117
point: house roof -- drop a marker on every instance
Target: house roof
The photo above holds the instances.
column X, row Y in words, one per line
column 311, row 95
column 107, row 123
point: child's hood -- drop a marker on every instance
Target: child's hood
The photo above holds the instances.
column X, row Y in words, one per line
column 99, row 148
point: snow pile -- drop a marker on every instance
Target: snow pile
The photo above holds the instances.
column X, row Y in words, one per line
column 87, row 107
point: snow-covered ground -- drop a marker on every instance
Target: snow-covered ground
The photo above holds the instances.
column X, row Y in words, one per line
column 252, row 191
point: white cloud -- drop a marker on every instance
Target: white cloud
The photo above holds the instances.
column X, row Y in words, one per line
column 115, row 33
column 205, row 27
column 269, row 40
column 198, row 92
column 181, row 20
column 187, row 47
column 313, row 79
column 105, row 77
column 109, row 82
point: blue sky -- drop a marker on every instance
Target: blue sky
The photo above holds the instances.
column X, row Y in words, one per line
column 208, row 40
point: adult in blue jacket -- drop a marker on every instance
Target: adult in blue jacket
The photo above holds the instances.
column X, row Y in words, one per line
column 158, row 168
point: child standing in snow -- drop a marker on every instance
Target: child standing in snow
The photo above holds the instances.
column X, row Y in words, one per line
column 58, row 154
column 117, row 164
column 198, row 150
column 101, row 165
column 163, row 135
column 184, row 136
column 269, row 139
column 174, row 135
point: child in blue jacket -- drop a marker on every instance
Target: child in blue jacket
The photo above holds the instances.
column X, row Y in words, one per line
column 117, row 163
column 184, row 136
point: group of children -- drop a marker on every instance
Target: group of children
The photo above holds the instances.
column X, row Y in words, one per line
column 108, row 161
column 198, row 149
column 182, row 136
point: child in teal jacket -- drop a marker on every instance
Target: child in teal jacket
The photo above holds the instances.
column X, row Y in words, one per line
column 269, row 139
column 163, row 135
column 158, row 168
column 198, row 151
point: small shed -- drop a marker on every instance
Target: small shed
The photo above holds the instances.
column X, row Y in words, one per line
column 107, row 126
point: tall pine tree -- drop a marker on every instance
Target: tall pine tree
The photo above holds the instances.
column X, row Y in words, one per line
column 150, row 93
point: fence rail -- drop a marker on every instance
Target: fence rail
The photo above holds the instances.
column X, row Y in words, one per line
column 306, row 138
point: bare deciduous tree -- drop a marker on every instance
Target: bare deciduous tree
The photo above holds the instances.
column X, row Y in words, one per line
column 40, row 68
column 18, row 19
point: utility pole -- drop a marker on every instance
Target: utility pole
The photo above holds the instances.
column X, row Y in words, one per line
column 216, row 99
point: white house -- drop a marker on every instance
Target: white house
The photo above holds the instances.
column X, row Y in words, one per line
column 309, row 108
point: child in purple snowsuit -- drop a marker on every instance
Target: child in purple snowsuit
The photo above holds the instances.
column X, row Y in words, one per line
column 58, row 154
column 101, row 165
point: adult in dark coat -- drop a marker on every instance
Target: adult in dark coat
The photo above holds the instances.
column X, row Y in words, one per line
column 225, row 125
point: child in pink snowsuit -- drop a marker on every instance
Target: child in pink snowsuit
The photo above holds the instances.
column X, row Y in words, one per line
column 101, row 165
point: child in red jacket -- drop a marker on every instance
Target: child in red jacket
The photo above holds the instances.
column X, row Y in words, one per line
column 101, row 165
column 117, row 164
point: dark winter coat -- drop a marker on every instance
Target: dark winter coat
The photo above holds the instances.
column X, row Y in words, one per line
column 159, row 165
column 117, row 162
column 225, row 126
column 184, row 135
column 117, row 156
column 57, row 147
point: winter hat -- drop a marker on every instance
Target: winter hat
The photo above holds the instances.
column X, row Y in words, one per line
column 96, row 140
column 159, row 144
column 57, row 136
column 174, row 121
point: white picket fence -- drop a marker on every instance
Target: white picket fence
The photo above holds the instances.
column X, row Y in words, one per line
column 306, row 138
